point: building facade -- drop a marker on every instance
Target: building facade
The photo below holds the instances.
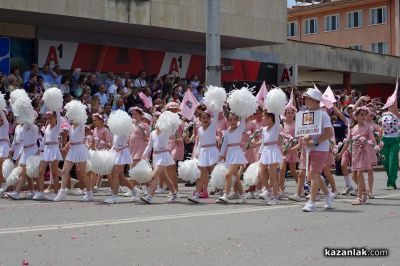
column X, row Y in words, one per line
column 368, row 25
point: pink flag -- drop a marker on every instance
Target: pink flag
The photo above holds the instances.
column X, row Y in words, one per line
column 262, row 93
column 188, row 105
column 392, row 99
column 146, row 101
column 328, row 98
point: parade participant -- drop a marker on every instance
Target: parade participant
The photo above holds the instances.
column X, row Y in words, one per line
column 233, row 155
column 359, row 136
column 391, row 139
column 17, row 144
column 208, row 152
column 4, row 144
column 270, row 156
column 372, row 153
column 319, row 146
column 139, row 136
column 51, row 153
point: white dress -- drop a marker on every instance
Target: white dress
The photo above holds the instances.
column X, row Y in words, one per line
column 207, row 144
column 231, row 145
column 78, row 151
column 51, row 151
column 120, row 146
column 159, row 144
column 31, row 133
column 270, row 152
column 4, row 139
column 18, row 144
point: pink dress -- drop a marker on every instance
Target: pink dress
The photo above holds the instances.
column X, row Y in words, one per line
column 138, row 140
column 195, row 152
column 250, row 153
column 360, row 158
column 290, row 157
column 177, row 149
column 102, row 138
column 371, row 151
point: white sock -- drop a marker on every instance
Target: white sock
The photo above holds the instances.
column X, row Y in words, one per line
column 347, row 180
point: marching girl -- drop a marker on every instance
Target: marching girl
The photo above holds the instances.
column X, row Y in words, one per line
column 371, row 151
column 291, row 157
column 123, row 157
column 234, row 156
column 4, row 145
column 270, row 156
column 162, row 158
column 17, row 145
column 77, row 155
column 101, row 141
column 175, row 145
column 139, row 136
column 208, row 152
column 30, row 148
column 51, row 152
column 360, row 133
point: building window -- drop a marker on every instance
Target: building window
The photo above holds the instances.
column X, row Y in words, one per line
column 354, row 19
column 311, row 26
column 332, row 23
column 356, row 47
column 378, row 15
column 292, row 29
column 379, row 48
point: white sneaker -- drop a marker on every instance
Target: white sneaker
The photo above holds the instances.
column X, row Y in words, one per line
column 95, row 189
column 77, row 192
column 195, row 198
column 266, row 194
column 13, row 195
column 173, row 198
column 295, row 197
column 273, row 202
column 87, row 197
column 329, row 200
column 336, row 193
column 223, row 199
column 281, row 195
column 127, row 194
column 111, row 200
column 38, row 196
column 135, row 192
column 257, row 193
column 347, row 190
column 148, row 199
column 160, row 190
column 60, row 195
column 309, row 207
column 50, row 196
column 250, row 195
column 233, row 195
column 29, row 195
column 242, row 200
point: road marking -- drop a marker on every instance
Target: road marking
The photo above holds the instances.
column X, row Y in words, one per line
column 53, row 227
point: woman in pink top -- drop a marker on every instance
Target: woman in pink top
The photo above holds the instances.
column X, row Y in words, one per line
column 139, row 136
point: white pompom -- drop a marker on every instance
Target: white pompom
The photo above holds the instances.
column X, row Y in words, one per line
column 53, row 99
column 168, row 122
column 141, row 172
column 276, row 101
column 23, row 110
column 17, row 94
column 250, row 176
column 76, row 112
column 188, row 170
column 12, row 179
column 3, row 104
column 218, row 176
column 8, row 166
column 89, row 163
column 32, row 166
column 120, row 123
column 102, row 162
column 242, row 102
column 214, row 98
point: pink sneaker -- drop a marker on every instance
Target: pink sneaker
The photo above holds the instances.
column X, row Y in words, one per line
column 203, row 195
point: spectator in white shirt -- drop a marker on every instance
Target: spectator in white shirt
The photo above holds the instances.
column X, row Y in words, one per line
column 103, row 97
column 113, row 88
column 140, row 82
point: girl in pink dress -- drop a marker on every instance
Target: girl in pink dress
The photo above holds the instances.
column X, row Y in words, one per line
column 371, row 151
column 291, row 157
column 139, row 136
column 101, row 141
column 360, row 134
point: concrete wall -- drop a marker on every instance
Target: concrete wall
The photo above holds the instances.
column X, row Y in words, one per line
column 334, row 58
column 253, row 19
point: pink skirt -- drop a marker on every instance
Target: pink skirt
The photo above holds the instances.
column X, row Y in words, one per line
column 291, row 157
column 360, row 158
column 318, row 160
column 177, row 150
column 372, row 156
column 346, row 157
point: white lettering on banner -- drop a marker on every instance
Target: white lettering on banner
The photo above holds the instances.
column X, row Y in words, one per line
column 175, row 63
column 57, row 53
column 287, row 74
column 308, row 123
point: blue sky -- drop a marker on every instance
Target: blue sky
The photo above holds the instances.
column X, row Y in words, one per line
column 290, row 2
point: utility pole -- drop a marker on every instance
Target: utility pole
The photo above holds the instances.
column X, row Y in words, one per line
column 213, row 44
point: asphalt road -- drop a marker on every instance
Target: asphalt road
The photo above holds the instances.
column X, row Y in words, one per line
column 75, row 233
